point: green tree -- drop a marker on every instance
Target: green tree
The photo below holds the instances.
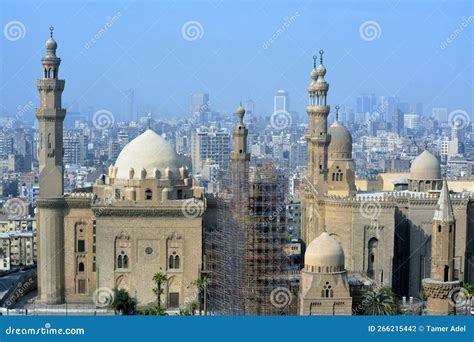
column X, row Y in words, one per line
column 123, row 303
column 201, row 285
column 156, row 311
column 469, row 288
column 380, row 302
column 159, row 279
column 184, row 313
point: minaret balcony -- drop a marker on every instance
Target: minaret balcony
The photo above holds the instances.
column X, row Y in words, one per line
column 50, row 84
column 318, row 110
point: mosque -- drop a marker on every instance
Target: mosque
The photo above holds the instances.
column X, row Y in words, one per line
column 131, row 224
column 387, row 236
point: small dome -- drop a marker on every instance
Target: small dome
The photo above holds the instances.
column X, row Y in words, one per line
column 425, row 166
column 321, row 70
column 341, row 139
column 325, row 251
column 51, row 44
column 149, row 152
column 314, row 74
column 240, row 110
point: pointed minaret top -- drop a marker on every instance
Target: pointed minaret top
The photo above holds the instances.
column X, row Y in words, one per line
column 337, row 113
column 51, row 29
column 444, row 209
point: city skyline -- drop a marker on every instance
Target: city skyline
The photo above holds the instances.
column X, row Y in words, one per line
column 369, row 51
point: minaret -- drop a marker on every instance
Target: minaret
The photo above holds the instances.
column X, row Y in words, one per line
column 316, row 135
column 439, row 287
column 239, row 152
column 50, row 203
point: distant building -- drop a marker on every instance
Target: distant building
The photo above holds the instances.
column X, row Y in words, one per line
column 411, row 120
column 440, row 114
column 210, row 143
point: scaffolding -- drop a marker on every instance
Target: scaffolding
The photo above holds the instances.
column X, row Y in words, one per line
column 246, row 260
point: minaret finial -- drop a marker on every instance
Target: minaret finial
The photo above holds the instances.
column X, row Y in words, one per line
column 51, row 29
column 337, row 113
column 321, row 52
column 315, row 60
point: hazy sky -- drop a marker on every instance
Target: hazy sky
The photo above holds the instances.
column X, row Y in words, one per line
column 238, row 50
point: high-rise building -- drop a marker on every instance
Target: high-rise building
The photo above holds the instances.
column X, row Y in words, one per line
column 397, row 121
column 281, row 102
column 210, row 144
column 411, row 120
column 440, row 114
column 366, row 103
column 200, row 108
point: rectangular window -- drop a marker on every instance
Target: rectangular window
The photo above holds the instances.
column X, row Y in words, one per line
column 81, row 246
column 174, row 300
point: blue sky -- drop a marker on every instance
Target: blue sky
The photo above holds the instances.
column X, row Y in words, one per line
column 235, row 56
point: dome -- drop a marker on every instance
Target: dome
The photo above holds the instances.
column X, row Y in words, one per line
column 148, row 151
column 314, row 74
column 240, row 110
column 51, row 44
column 341, row 139
column 321, row 70
column 325, row 251
column 425, row 166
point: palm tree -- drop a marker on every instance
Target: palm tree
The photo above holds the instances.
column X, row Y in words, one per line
column 201, row 285
column 159, row 279
column 381, row 302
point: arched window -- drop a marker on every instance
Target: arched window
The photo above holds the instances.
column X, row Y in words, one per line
column 446, row 273
column 176, row 262
column 439, row 229
column 148, row 194
column 125, row 261
column 170, row 262
column 119, row 261
column 81, row 267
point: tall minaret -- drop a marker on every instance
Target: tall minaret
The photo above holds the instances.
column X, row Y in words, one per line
column 441, row 285
column 50, row 203
column 316, row 135
column 239, row 152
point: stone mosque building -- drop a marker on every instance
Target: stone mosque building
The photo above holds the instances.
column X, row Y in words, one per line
column 124, row 230
column 131, row 224
column 386, row 236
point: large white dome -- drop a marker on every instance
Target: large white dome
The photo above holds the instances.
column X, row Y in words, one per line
column 148, row 151
column 425, row 167
column 325, row 251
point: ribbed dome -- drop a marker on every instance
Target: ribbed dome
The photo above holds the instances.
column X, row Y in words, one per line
column 425, row 166
column 325, row 251
column 341, row 139
column 148, row 151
